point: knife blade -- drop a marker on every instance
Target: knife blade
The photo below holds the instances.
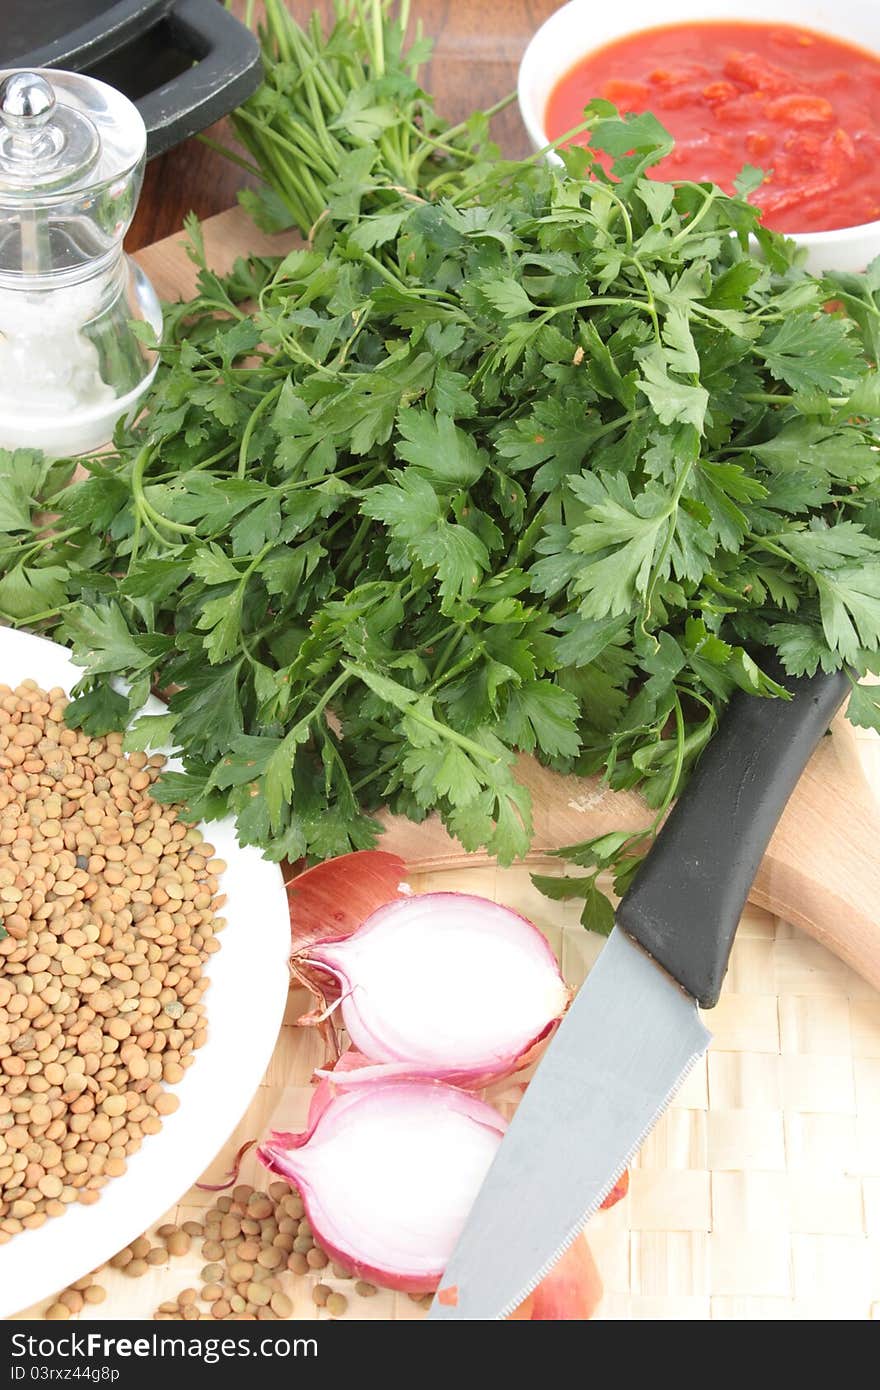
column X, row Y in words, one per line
column 626, row 1043
column 633, row 1031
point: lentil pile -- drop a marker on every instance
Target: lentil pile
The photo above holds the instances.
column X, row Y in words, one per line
column 107, row 915
column 256, row 1246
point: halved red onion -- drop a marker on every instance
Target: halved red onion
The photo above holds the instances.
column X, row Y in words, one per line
column 388, row 1173
column 329, row 901
column 445, row 985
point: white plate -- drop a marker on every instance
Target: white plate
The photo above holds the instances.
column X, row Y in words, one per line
column 244, row 1004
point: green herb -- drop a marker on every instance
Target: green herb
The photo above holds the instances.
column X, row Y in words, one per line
column 340, row 118
column 519, row 460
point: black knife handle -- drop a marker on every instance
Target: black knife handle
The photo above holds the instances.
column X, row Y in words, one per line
column 685, row 902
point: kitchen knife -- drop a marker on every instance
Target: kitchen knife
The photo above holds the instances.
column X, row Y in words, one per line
column 633, row 1031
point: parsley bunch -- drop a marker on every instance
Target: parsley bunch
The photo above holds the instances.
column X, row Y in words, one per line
column 539, row 463
column 349, row 100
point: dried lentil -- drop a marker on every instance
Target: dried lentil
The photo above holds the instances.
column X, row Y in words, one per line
column 116, row 967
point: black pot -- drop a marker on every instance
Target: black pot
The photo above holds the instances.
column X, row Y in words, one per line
column 184, row 63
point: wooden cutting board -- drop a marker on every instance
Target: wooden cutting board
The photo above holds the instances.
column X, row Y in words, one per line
column 822, row 870
column 757, row 1196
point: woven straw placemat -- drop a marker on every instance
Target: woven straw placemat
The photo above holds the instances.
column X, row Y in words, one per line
column 757, row 1196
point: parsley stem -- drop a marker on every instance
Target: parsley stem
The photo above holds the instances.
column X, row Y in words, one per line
column 652, row 304
column 231, row 155
column 39, row 617
column 679, row 760
column 430, row 142
column 625, row 217
column 365, row 781
column 269, row 399
column 765, row 543
column 145, row 508
column 327, row 477
column 430, row 643
column 311, row 92
column 526, row 543
column 382, row 270
column 277, row 20
column 331, row 690
column 599, row 302
column 353, row 553
column 135, row 540
column 42, row 541
column 378, row 41
column 700, row 700
column 459, row 668
column 784, row 398
column 688, row 228
column 223, row 307
column 412, row 711
column 855, row 299
column 303, row 145
column 488, row 112
column 449, row 648
column 471, row 191
column 452, row 736
column 214, row 458
column 360, row 320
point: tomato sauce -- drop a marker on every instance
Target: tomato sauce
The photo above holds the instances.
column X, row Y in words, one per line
column 802, row 106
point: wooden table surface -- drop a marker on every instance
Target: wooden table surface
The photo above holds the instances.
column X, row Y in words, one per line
column 478, row 45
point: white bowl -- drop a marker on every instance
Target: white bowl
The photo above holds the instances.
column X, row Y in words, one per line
column 585, row 25
column 244, row 1006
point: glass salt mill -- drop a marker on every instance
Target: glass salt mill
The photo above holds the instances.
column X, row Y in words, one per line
column 71, row 165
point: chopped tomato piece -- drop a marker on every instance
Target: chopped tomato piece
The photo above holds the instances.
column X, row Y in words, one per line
column 800, row 108
column 753, row 71
column 627, row 95
column 758, row 144
column 719, row 91
column 670, row 77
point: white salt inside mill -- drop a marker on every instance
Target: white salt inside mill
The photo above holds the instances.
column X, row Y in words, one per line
column 71, row 165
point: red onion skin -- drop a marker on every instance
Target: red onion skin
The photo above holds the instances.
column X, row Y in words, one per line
column 330, row 901
column 467, row 1080
column 326, row 1090
column 473, row 1079
column 571, row 1292
column 617, row 1193
column 272, row 1152
column 327, row 903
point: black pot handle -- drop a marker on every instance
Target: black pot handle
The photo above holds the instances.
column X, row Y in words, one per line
column 226, row 70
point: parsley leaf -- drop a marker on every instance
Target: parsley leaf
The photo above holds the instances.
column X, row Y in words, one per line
column 818, row 351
